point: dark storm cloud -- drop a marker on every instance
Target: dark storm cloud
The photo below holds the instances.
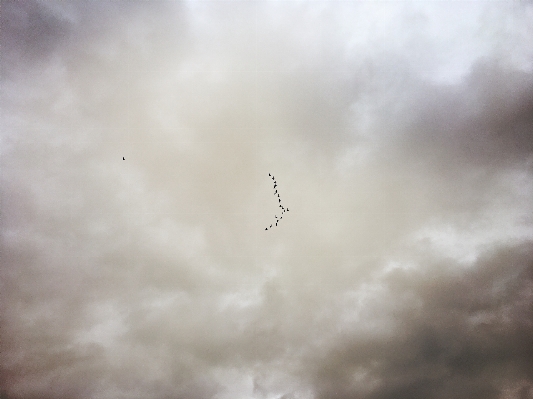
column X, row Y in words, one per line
column 485, row 122
column 137, row 138
column 462, row 334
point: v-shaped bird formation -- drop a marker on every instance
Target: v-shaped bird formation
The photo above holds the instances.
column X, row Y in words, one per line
column 283, row 209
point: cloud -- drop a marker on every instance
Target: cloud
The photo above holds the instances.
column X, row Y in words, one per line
column 399, row 136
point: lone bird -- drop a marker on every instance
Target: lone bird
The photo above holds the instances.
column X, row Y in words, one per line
column 266, row 228
column 269, row 174
column 123, row 158
column 279, row 200
column 270, row 226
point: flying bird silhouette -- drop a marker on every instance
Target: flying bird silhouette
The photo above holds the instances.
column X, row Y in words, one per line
column 283, row 209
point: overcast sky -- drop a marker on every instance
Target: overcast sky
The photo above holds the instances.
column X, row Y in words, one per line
column 400, row 135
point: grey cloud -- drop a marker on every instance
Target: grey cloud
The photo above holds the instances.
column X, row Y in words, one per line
column 484, row 122
column 30, row 32
column 471, row 334
column 400, row 143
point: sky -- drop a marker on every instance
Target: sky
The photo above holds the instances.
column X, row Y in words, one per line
column 137, row 139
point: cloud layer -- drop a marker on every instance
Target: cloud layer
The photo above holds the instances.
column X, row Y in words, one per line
column 400, row 135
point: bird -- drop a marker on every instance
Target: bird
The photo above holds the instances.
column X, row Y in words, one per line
column 283, row 209
column 123, row 158
column 287, row 209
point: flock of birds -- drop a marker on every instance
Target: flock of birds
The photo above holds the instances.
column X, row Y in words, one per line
column 283, row 209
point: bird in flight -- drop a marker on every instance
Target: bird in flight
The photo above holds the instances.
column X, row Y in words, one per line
column 283, row 210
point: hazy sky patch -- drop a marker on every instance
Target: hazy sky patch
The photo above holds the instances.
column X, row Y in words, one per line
column 137, row 139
